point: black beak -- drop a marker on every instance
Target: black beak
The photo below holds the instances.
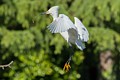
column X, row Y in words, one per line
column 43, row 13
column 47, row 12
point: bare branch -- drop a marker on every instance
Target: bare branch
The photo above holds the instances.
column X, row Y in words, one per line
column 6, row 65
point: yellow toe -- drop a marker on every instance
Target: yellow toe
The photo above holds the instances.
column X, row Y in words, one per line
column 67, row 67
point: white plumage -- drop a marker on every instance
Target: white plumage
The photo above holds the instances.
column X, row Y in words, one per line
column 61, row 24
column 72, row 33
column 82, row 31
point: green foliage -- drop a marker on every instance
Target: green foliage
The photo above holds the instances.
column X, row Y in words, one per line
column 103, row 38
column 39, row 54
column 24, row 39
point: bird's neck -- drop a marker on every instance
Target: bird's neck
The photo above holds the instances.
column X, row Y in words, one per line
column 54, row 15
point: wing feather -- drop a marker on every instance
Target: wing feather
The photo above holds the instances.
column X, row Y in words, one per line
column 61, row 24
column 82, row 31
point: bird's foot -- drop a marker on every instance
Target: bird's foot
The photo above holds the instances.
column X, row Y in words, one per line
column 67, row 66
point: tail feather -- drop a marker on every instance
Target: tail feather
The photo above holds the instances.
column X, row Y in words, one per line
column 79, row 44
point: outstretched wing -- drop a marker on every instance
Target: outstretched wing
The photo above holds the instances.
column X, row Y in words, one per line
column 61, row 24
column 82, row 31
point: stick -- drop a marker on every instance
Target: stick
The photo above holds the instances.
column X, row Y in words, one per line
column 6, row 65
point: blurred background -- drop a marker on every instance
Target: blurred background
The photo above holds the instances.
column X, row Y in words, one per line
column 40, row 55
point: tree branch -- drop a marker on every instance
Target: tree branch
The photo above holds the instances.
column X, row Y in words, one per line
column 6, row 65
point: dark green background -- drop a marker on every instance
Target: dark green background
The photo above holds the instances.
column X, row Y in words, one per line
column 40, row 55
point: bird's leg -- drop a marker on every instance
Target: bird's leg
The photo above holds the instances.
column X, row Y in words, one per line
column 67, row 64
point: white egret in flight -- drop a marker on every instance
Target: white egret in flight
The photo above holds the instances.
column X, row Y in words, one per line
column 72, row 33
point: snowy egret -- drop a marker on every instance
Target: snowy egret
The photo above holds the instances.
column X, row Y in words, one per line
column 72, row 33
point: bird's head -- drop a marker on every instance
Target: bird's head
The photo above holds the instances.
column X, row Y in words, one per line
column 53, row 10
